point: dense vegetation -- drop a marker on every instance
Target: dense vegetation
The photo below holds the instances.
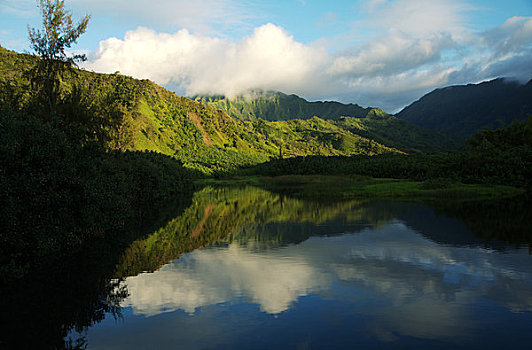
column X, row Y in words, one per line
column 275, row 106
column 129, row 114
column 57, row 194
column 463, row 110
column 370, row 123
column 88, row 160
column 66, row 179
column 73, row 172
column 501, row 156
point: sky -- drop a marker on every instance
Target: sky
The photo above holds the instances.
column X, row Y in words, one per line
column 380, row 53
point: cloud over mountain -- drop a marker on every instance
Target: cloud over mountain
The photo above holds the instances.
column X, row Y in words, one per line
column 269, row 58
column 411, row 48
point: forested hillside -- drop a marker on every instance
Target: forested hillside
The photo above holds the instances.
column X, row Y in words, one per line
column 371, row 123
column 463, row 110
column 130, row 114
column 274, row 105
column 496, row 157
column 68, row 178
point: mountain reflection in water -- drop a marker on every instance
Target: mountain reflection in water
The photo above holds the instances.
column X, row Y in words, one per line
column 242, row 267
column 287, row 273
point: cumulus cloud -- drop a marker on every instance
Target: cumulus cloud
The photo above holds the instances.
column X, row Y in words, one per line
column 269, row 58
column 413, row 47
column 394, row 53
column 513, row 34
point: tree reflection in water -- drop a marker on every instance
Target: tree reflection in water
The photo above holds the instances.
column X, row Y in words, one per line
column 73, row 294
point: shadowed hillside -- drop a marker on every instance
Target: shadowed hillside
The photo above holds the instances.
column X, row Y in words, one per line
column 463, row 110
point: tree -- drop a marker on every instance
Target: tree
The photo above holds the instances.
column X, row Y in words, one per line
column 57, row 34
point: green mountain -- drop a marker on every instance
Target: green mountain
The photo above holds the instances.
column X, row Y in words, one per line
column 140, row 115
column 462, row 110
column 149, row 117
column 371, row 123
column 274, row 106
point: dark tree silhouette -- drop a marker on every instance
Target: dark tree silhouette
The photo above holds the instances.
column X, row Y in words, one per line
column 50, row 42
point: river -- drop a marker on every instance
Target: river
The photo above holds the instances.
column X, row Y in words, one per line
column 244, row 268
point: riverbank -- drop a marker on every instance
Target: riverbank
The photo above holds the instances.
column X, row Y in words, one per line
column 347, row 187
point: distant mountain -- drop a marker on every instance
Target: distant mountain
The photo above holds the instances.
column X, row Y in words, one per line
column 274, row 106
column 463, row 110
column 370, row 123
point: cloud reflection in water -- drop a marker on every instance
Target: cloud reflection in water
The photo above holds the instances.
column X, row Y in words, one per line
column 416, row 277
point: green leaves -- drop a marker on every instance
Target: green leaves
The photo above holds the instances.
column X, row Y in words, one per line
column 57, row 34
column 57, row 194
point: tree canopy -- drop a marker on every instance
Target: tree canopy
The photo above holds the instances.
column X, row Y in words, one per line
column 58, row 33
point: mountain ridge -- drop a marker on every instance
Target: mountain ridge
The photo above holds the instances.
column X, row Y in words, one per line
column 369, row 122
column 462, row 110
column 152, row 118
column 275, row 106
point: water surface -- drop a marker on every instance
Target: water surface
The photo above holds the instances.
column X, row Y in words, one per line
column 245, row 268
column 251, row 269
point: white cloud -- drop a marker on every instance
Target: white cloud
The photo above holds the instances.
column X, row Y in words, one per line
column 269, row 59
column 504, row 51
column 513, row 34
column 393, row 53
column 415, row 47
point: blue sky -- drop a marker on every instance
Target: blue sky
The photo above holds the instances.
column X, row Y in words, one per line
column 384, row 53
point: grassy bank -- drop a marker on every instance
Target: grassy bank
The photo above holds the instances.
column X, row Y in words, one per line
column 344, row 187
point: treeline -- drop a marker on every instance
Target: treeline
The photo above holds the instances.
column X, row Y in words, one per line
column 502, row 156
column 58, row 193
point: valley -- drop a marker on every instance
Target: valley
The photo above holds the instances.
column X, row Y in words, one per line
column 136, row 217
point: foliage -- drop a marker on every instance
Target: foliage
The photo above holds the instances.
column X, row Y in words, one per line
column 341, row 187
column 129, row 114
column 496, row 157
column 57, row 195
column 370, row 123
column 275, row 106
column 57, row 35
column 67, row 181
column 506, row 138
column 396, row 133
